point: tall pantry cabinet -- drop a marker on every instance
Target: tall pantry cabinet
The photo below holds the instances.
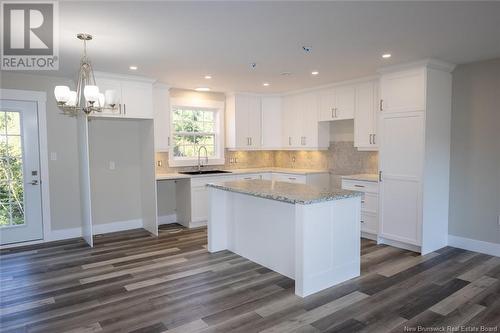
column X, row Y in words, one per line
column 414, row 155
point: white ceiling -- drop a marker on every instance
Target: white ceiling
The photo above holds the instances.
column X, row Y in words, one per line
column 179, row 42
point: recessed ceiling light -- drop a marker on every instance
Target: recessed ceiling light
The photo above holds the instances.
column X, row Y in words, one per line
column 202, row 89
column 208, row 77
column 314, row 73
column 386, row 55
column 133, row 68
column 265, row 84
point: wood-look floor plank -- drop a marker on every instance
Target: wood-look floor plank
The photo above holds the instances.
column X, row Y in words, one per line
column 134, row 282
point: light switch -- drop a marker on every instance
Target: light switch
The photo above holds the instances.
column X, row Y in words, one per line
column 53, row 156
column 111, row 165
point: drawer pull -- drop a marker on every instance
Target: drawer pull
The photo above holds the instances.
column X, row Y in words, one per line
column 292, row 178
column 362, row 221
column 362, row 201
column 247, row 178
column 356, row 185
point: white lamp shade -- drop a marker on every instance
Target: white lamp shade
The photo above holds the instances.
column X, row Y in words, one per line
column 111, row 97
column 101, row 100
column 71, row 98
column 91, row 93
column 61, row 93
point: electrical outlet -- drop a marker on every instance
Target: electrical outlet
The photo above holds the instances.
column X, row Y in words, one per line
column 112, row 165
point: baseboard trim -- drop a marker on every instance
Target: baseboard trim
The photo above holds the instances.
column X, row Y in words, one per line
column 368, row 235
column 167, row 219
column 117, row 226
column 475, row 245
column 61, row 234
column 401, row 245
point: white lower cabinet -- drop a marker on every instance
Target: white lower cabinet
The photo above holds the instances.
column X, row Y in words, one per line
column 369, row 205
column 290, row 178
column 192, row 194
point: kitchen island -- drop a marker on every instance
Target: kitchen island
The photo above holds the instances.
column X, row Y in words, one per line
column 302, row 232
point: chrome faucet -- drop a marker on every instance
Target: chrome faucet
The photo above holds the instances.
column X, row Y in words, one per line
column 199, row 159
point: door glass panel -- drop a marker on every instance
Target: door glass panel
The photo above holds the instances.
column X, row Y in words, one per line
column 11, row 170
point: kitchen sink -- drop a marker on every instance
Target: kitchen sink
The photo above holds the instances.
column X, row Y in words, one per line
column 203, row 172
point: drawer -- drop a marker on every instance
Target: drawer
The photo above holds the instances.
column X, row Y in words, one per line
column 357, row 185
column 290, row 178
column 202, row 181
column 369, row 223
column 248, row 176
column 369, row 203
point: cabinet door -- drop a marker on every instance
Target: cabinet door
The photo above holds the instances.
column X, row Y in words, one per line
column 326, row 104
column 271, row 122
column 161, row 106
column 110, row 84
column 254, row 121
column 241, row 128
column 199, row 203
column 308, row 120
column 401, row 159
column 365, row 116
column 403, row 91
column 291, row 122
column 344, row 102
column 137, row 99
column 289, row 178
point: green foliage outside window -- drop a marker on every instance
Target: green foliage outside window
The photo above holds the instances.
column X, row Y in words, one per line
column 11, row 170
column 193, row 128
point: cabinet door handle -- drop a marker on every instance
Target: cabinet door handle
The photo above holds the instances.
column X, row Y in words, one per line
column 362, row 221
column 380, row 176
column 370, row 139
column 292, row 178
column 120, row 108
column 124, row 109
column 305, row 140
column 336, row 112
column 356, row 185
column 289, row 140
column 250, row 141
column 373, row 138
column 247, row 178
column 381, row 106
column 168, row 141
column 333, row 110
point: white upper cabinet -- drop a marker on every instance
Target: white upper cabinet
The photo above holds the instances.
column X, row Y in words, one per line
column 134, row 95
column 301, row 129
column 337, row 103
column 271, row 122
column 137, row 99
column 403, row 91
column 365, row 116
column 161, row 107
column 243, row 122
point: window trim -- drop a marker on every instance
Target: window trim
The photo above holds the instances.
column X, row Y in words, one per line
column 218, row 107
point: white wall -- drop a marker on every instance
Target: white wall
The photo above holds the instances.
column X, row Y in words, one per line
column 475, row 152
column 62, row 139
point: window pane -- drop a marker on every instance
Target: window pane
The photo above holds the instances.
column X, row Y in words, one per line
column 208, row 116
column 3, row 122
column 4, row 214
column 208, row 127
column 13, row 123
column 17, row 211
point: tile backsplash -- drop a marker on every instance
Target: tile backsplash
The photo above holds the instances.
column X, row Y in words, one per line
column 342, row 158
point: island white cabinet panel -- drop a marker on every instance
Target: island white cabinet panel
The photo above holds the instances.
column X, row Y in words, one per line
column 134, row 95
column 366, row 117
column 243, row 122
column 337, row 103
column 161, row 107
column 414, row 155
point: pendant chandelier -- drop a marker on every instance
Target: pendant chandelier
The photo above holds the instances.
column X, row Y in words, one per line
column 87, row 97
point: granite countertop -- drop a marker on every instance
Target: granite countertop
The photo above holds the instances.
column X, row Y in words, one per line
column 176, row 175
column 286, row 192
column 367, row 177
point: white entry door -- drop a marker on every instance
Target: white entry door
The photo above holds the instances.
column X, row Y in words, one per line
column 20, row 193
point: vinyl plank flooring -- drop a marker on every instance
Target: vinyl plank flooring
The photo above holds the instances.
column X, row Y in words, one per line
column 134, row 282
